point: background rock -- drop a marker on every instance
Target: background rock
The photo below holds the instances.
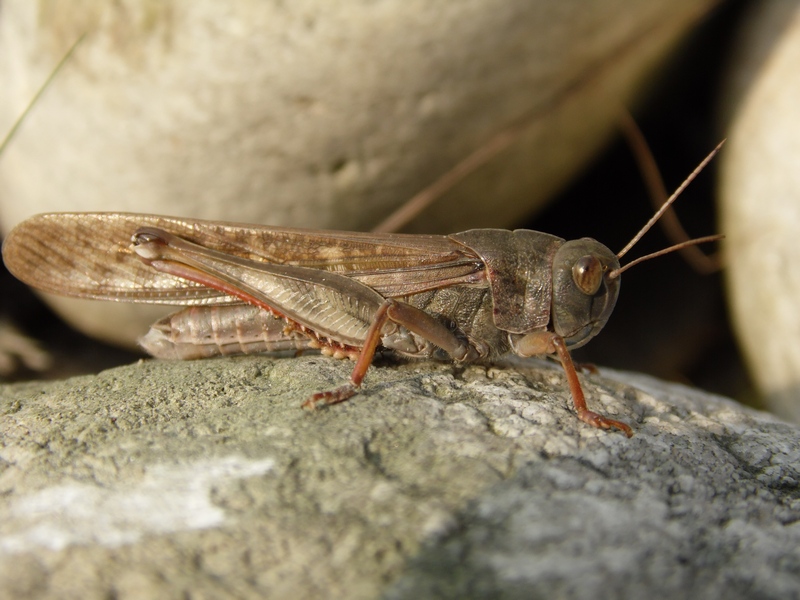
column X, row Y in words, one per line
column 760, row 199
column 206, row 479
column 312, row 113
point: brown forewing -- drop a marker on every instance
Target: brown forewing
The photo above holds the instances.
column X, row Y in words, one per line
column 88, row 255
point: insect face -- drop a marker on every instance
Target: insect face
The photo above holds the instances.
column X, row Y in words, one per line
column 583, row 295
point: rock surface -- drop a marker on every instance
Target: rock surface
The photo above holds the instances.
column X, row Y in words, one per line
column 206, row 479
column 314, row 113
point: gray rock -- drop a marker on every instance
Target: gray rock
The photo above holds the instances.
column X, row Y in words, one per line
column 206, row 479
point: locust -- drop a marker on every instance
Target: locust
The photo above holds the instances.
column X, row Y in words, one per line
column 469, row 297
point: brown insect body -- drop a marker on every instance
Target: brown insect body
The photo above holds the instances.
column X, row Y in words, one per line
column 470, row 296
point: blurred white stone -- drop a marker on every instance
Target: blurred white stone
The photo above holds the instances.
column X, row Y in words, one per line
column 314, row 113
column 760, row 199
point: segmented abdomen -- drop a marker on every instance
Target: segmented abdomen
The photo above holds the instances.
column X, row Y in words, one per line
column 205, row 331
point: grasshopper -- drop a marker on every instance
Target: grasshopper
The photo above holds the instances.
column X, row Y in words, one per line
column 466, row 297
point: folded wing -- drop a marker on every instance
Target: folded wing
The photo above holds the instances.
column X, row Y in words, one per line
column 88, row 255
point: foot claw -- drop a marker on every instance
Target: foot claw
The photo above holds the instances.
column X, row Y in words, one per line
column 601, row 422
column 335, row 396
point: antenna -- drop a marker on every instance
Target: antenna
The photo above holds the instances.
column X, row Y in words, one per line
column 668, row 203
column 702, row 240
column 664, row 207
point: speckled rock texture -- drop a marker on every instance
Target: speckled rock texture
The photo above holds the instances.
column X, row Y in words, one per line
column 206, row 479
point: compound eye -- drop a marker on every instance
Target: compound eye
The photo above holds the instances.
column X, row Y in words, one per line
column 587, row 273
